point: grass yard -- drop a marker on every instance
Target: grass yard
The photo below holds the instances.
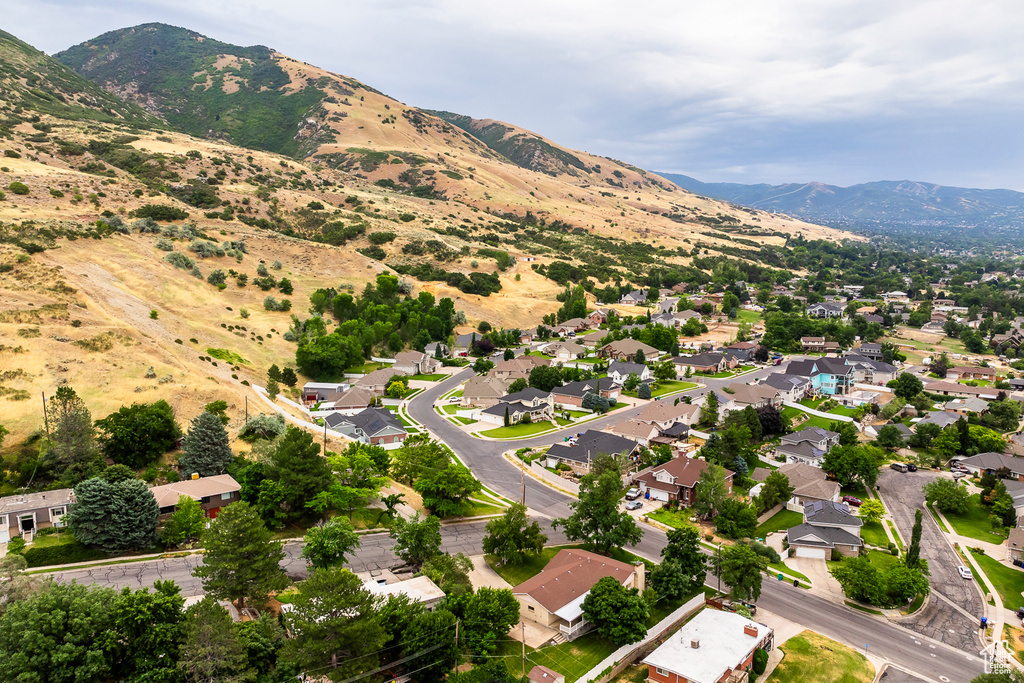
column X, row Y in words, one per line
column 811, row 421
column 780, row 521
column 450, row 408
column 429, row 378
column 1006, row 580
column 366, row 368
column 975, row 523
column 519, row 431
column 464, row 420
column 572, row 659
column 812, row 658
column 530, row 567
column 476, row 509
column 745, row 316
column 677, row 519
column 671, row 387
column 892, row 529
column 49, row 540
column 874, row 534
column 776, row 567
column 1013, row 636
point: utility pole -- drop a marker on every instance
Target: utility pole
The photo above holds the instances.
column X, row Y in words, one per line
column 247, row 408
column 325, row 437
column 46, row 420
column 718, row 568
column 523, row 632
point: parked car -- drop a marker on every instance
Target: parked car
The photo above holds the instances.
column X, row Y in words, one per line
column 899, row 466
column 455, row 399
column 964, row 572
column 855, row 502
column 911, row 467
column 633, row 493
column 634, row 505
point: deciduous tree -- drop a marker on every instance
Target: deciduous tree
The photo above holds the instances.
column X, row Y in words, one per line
column 741, row 569
column 329, row 542
column 872, row 510
column 513, row 536
column 417, row 540
column 947, row 495
column 711, row 491
column 618, row 613
column 596, row 518
column 137, row 435
column 446, row 491
column 186, row 524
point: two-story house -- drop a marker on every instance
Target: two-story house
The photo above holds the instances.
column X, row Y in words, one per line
column 375, row 426
column 213, row 493
column 619, row 371
column 530, row 402
column 518, row 367
column 791, row 388
column 675, row 480
column 828, row 376
column 564, row 352
column 808, row 446
column 707, row 363
column 868, row 371
column 571, row 395
column 825, row 310
column 827, row 526
column 813, row 344
column 415, row 363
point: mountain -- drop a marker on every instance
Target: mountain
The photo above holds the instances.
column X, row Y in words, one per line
column 33, row 81
column 883, row 206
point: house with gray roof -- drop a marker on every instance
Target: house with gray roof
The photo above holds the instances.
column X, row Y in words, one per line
column 375, row 426
column 993, row 463
column 588, row 446
column 827, row 526
column 807, row 446
column 792, row 388
column 941, row 418
column 24, row 514
column 619, row 371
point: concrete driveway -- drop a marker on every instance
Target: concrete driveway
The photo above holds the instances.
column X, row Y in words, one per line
column 816, row 570
column 952, row 615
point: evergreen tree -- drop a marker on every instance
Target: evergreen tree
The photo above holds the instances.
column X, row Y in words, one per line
column 72, row 436
column 507, row 419
column 206, row 447
column 709, row 411
column 274, row 374
column 289, row 378
column 639, row 357
column 914, row 551
column 241, row 561
column 273, row 389
column 113, row 515
column 212, row 650
column 302, row 474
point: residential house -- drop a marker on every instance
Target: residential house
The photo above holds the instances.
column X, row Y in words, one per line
column 868, row 371
column 941, row 418
column 634, row 298
column 754, row 396
column 675, row 480
column 378, row 380
column 631, row 428
column 463, row 342
column 437, row 350
column 415, row 363
column 554, row 597
column 708, row 363
column 598, row 317
column 713, row 647
column 538, row 405
column 825, row 310
column 828, row 376
column 985, row 463
column 668, row 305
column 809, row 484
column 872, row 351
column 741, row 351
column 874, row 318
column 542, row 674
column 698, row 304
column 483, row 391
column 375, row 426
column 827, row 526
column 903, row 429
column 896, row 296
column 571, row 326
column 619, row 371
column 813, row 344
column 527, row 336
column 962, row 390
column 418, row 590
column 566, row 351
column 964, row 406
column 588, row 446
column 213, row 493
column 1015, row 546
column 351, row 401
column 315, row 392
column 664, row 414
column 625, row 349
column 25, row 514
column 791, row 388
column 964, row 372
column 808, row 446
column 571, row 395
column 517, row 367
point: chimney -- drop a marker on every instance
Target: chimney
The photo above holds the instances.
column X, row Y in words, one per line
column 695, row 643
column 641, row 576
column 195, row 475
column 750, row 630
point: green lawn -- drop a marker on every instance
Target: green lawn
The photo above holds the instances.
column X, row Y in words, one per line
column 677, row 519
column 812, row 421
column 745, row 316
column 49, row 540
column 780, row 521
column 777, row 567
column 671, row 387
column 1008, row 581
column 892, row 529
column 475, row 509
column 428, row 378
column 450, row 408
column 367, row 368
column 530, row 567
column 518, row 431
column 464, row 420
column 975, row 523
column 874, row 534
column 813, row 658
column 573, row 659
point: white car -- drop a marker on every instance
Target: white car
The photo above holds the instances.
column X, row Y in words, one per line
column 455, row 399
column 965, row 573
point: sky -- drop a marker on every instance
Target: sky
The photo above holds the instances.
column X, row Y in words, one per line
column 836, row 91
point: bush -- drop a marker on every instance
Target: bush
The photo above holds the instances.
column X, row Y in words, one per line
column 272, row 304
column 407, row 217
column 16, row 545
column 11, row 154
column 374, row 252
column 206, row 249
column 276, row 265
column 836, row 555
column 161, row 212
column 55, row 193
column 381, row 237
column 164, row 244
column 760, row 661
column 180, row 260
column 65, row 553
column 244, row 312
column 18, row 188
column 217, row 277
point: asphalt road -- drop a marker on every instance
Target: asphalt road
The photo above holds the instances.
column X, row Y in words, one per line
column 938, row 619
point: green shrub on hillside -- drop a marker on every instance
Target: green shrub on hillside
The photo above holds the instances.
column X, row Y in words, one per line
column 18, row 188
column 161, row 212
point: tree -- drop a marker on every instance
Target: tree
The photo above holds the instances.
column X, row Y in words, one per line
column 518, row 385
column 69, row 619
column 206, row 447
column 512, row 536
column 596, row 518
column 890, row 438
column 775, row 490
column 296, row 465
column 711, row 491
column 289, row 378
column 681, row 558
column 242, row 561
column 735, row 519
column 639, row 357
column 418, row 455
column 618, row 613
column 327, row 543
column 137, row 435
column 939, row 366
column 113, row 515
column 273, row 373
column 212, row 650
column 273, row 389
column 482, row 366
column 665, row 371
column 488, row 615
column 220, row 409
column 396, row 389
column 72, row 436
column 850, row 464
column 446, row 491
column 643, row 391
column 872, row 510
column 335, row 626
column 433, row 634
column 741, row 569
column 545, row 377
column 947, row 495
column 914, row 551
column 186, row 524
column 417, row 540
column 450, row 573
column 146, row 633
column 709, row 411
column 907, row 386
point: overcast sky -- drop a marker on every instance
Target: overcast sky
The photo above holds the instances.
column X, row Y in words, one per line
column 840, row 92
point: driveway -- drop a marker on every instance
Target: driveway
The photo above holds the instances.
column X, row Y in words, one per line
column 816, row 570
column 952, row 616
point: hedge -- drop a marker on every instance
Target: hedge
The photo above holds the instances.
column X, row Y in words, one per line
column 65, row 553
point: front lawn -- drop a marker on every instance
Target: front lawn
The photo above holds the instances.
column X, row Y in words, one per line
column 1006, row 580
column 776, row 567
column 518, row 431
column 367, row 368
column 811, row 421
column 813, row 658
column 671, row 387
column 450, row 408
column 49, row 540
column 527, row 569
column 464, row 420
column 677, row 519
column 975, row 522
column 429, row 378
column 745, row 316
column 780, row 521
column 874, row 534
column 574, row 659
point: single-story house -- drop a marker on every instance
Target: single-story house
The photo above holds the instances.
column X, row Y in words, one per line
column 709, row 362
column 634, row 298
column 963, row 406
column 554, row 597
column 625, row 349
column 572, row 326
column 378, row 380
column 463, row 342
column 664, row 414
column 964, row 372
column 415, row 363
column 353, row 400
column 571, row 395
column 213, row 493
column 588, row 446
column 315, row 392
column 26, row 513
column 808, row 482
column 713, row 647
column 941, row 418
column 619, row 371
column 517, row 367
column 375, row 426
column 564, row 352
column 753, row 395
column 984, row 463
column 484, row 391
column 827, row 526
column 675, row 480
column 631, row 428
column 903, row 429
column 962, row 390
column 542, row 674
column 419, row 590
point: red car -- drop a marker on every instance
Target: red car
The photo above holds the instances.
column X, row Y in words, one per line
column 850, row 500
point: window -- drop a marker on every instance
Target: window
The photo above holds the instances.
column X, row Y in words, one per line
column 56, row 512
column 226, row 496
column 660, row 671
column 529, row 608
column 204, row 500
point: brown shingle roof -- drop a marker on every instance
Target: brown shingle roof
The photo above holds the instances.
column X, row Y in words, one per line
column 168, row 494
column 570, row 574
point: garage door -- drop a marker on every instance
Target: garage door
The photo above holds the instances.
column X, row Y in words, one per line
column 658, row 495
column 816, row 553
